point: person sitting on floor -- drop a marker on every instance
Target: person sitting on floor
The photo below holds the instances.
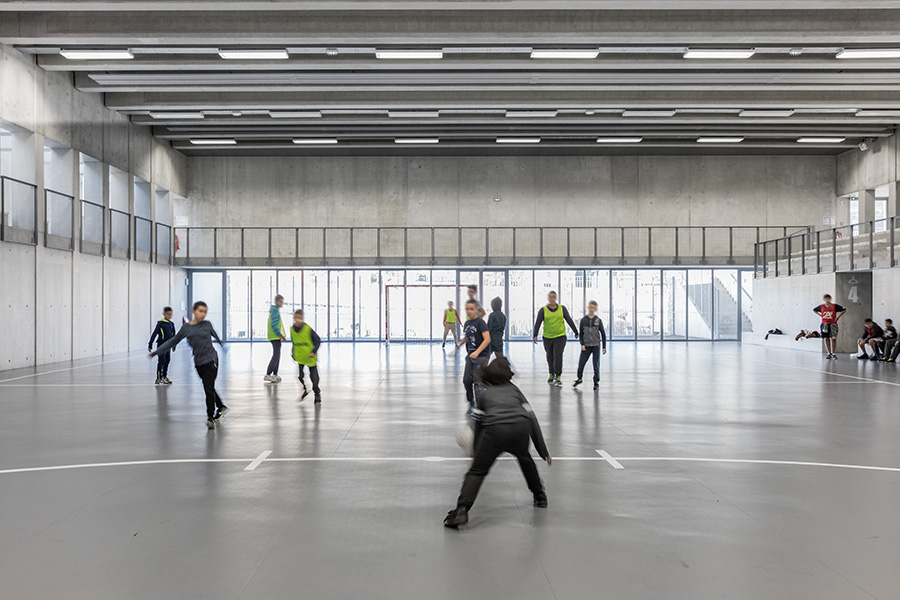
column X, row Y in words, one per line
column 883, row 345
column 873, row 331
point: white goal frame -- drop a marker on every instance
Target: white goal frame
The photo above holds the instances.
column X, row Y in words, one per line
column 387, row 300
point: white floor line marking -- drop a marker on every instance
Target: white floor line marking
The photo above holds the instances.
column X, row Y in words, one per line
column 258, row 460
column 606, row 456
column 99, row 364
column 867, row 379
column 614, row 462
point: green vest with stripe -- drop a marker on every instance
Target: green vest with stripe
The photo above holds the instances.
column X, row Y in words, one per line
column 554, row 323
column 302, row 346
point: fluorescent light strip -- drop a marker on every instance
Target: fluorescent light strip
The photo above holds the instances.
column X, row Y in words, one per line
column 648, row 113
column 409, row 54
column 298, row 114
column 869, row 53
column 518, row 140
column 316, row 141
column 564, row 54
column 97, row 54
column 720, row 140
column 620, row 140
column 253, row 54
column 538, row 114
column 878, row 113
column 766, row 113
column 177, row 115
column 414, row 114
column 821, row 140
column 212, row 142
column 719, row 53
column 416, row 141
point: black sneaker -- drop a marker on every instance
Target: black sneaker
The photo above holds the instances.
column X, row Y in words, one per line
column 457, row 517
column 540, row 501
column 596, row 386
column 220, row 412
column 577, row 382
column 863, row 357
column 318, row 399
column 552, row 379
column 210, row 424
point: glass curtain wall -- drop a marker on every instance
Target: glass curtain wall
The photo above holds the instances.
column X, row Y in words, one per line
column 353, row 304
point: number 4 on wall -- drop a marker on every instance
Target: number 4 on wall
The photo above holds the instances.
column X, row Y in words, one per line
column 853, row 296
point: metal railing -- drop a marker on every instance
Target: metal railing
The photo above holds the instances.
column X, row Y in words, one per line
column 59, row 220
column 476, row 246
column 18, row 211
column 93, row 228
column 163, row 254
column 869, row 245
column 143, row 239
column 119, row 234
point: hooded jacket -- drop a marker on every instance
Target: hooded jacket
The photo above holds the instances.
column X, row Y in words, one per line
column 164, row 331
column 497, row 324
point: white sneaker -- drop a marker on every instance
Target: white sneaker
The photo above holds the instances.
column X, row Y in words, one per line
column 276, row 379
column 269, row 378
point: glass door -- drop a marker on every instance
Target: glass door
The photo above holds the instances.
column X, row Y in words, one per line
column 340, row 307
column 369, row 310
column 520, row 309
column 237, row 318
column 262, row 296
column 494, row 286
column 418, row 306
column 622, row 292
column 648, row 299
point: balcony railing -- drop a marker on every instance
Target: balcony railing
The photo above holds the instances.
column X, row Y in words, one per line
column 475, row 246
column 869, row 245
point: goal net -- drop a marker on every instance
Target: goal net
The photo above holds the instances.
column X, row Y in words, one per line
column 414, row 313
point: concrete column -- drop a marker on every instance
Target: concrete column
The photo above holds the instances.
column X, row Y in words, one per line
column 866, row 205
column 893, row 205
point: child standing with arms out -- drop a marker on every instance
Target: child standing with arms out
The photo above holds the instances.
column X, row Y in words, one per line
column 305, row 349
column 275, row 334
column 505, row 422
column 165, row 330
column 593, row 338
column 200, row 334
column 477, row 338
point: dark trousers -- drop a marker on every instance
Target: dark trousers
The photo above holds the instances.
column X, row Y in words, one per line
column 207, row 375
column 472, row 376
column 494, row 441
column 162, row 367
column 895, row 352
column 313, row 375
column 593, row 354
column 554, row 347
column 276, row 358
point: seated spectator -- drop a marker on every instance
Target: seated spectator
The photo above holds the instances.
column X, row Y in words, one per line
column 883, row 345
column 873, row 331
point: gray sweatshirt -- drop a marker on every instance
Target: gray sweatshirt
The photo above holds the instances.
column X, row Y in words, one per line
column 506, row 405
column 199, row 337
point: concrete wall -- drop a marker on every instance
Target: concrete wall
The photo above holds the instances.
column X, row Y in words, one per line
column 858, row 170
column 549, row 190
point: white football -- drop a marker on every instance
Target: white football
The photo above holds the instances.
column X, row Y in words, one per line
column 465, row 439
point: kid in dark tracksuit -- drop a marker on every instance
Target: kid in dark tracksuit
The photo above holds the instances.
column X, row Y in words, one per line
column 505, row 422
column 477, row 338
column 305, row 349
column 164, row 331
column 554, row 318
column 593, row 337
column 497, row 327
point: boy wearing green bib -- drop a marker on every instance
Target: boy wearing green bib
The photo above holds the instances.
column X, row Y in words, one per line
column 554, row 318
column 304, row 349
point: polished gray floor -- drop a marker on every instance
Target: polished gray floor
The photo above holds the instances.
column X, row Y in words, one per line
column 362, row 519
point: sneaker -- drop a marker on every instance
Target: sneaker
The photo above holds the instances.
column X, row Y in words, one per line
column 210, row 424
column 596, row 386
column 220, row 412
column 551, row 378
column 158, row 381
column 577, row 382
column 890, row 360
column 269, row 378
column 862, row 357
column 457, row 517
column 305, row 390
column 167, row 381
column 276, row 379
column 540, row 501
column 444, row 345
column 558, row 380
column 318, row 399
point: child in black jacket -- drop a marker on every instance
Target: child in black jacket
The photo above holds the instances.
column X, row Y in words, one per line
column 164, row 331
column 505, row 423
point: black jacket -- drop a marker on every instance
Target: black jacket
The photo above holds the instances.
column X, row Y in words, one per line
column 592, row 332
column 164, row 331
column 497, row 324
column 506, row 405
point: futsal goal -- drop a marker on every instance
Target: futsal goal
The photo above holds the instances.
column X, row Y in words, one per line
column 429, row 310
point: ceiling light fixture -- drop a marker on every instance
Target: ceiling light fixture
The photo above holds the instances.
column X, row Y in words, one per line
column 296, row 114
column 821, row 140
column 177, row 115
column 315, row 141
column 648, row 113
column 620, row 140
column 213, row 142
column 537, row 114
column 564, row 54
column 253, row 54
column 409, row 54
column 869, row 53
column 720, row 140
column 416, row 140
column 878, row 113
column 519, row 140
column 766, row 113
column 718, row 53
column 414, row 114
column 97, row 54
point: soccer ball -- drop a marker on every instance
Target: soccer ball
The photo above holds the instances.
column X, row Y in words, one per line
column 465, row 439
